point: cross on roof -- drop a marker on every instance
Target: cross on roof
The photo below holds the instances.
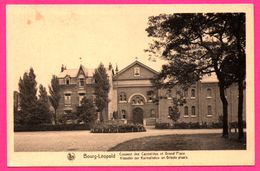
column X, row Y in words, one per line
column 80, row 60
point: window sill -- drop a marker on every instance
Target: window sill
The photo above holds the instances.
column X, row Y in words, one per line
column 186, row 116
column 209, row 97
column 122, row 101
column 192, row 97
column 209, row 116
column 193, row 116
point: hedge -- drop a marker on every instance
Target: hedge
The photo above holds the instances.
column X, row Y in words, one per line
column 195, row 125
column 63, row 127
column 116, row 128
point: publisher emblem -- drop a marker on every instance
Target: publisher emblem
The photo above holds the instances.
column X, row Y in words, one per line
column 71, row 156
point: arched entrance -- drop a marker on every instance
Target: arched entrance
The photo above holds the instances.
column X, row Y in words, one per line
column 138, row 115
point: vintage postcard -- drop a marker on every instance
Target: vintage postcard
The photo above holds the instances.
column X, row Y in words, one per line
column 130, row 85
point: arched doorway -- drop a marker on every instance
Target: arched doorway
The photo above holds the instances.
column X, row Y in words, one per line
column 138, row 115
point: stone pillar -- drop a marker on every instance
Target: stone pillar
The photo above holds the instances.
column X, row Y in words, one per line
column 144, row 122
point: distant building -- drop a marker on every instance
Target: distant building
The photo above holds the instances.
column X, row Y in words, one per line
column 131, row 95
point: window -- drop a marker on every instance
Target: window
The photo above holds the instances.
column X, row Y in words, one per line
column 186, row 93
column 178, row 94
column 193, row 95
column 81, row 96
column 136, row 71
column 81, row 82
column 186, row 111
column 67, row 99
column 209, row 93
column 193, row 111
column 152, row 113
column 123, row 114
column 137, row 100
column 169, row 94
column 122, row 97
column 94, row 98
column 209, row 110
column 169, row 110
column 150, row 95
column 67, row 81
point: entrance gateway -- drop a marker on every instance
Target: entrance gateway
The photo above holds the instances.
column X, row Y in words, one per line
column 138, row 115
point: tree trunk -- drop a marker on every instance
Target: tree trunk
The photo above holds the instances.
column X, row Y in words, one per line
column 240, row 110
column 101, row 118
column 225, row 110
column 55, row 117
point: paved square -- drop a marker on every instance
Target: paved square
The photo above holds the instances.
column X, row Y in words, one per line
column 84, row 140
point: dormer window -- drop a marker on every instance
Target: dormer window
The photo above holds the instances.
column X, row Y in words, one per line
column 67, row 81
column 137, row 71
column 81, row 80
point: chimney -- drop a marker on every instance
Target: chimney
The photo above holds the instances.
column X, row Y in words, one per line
column 62, row 68
column 116, row 69
column 110, row 66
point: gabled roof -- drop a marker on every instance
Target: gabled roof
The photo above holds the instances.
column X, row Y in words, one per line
column 134, row 63
column 74, row 72
column 69, row 72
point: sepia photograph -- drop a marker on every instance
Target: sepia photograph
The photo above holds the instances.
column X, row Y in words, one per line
column 130, row 85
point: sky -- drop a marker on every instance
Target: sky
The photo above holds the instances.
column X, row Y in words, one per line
column 45, row 37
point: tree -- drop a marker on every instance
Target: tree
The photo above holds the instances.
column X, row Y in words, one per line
column 174, row 112
column 43, row 96
column 234, row 64
column 86, row 111
column 28, row 98
column 54, row 97
column 101, row 87
column 43, row 105
column 33, row 111
column 194, row 45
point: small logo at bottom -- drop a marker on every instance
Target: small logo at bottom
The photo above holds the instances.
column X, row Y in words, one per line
column 71, row 156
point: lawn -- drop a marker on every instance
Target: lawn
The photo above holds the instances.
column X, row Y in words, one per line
column 181, row 142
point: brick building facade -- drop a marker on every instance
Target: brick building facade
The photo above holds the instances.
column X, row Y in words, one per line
column 131, row 93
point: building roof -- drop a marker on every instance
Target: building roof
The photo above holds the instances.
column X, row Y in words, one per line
column 74, row 72
column 212, row 78
column 90, row 72
column 132, row 64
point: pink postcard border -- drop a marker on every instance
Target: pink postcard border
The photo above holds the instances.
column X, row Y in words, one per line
column 3, row 131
